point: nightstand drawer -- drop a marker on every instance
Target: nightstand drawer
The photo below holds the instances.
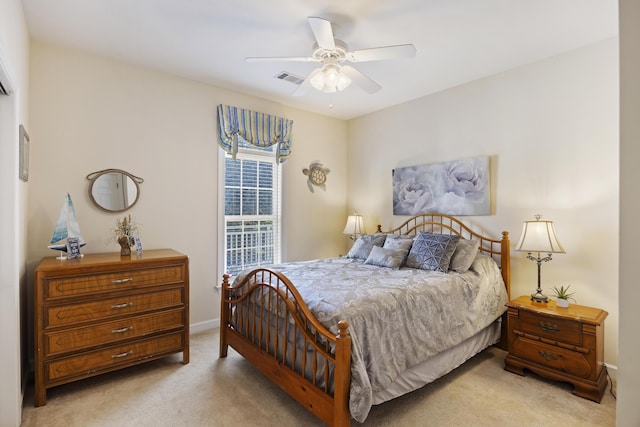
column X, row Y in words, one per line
column 560, row 359
column 553, row 328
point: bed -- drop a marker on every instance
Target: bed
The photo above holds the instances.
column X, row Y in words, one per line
column 342, row 334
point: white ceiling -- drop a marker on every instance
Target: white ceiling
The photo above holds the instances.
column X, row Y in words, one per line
column 207, row 40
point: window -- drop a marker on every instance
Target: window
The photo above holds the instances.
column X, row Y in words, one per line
column 251, row 209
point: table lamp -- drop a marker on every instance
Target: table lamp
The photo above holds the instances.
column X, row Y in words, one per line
column 540, row 237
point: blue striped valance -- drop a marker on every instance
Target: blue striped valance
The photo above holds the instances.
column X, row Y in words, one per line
column 259, row 129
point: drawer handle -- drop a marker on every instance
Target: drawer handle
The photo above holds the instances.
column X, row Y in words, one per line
column 122, row 330
column 125, row 354
column 125, row 280
column 123, row 305
column 549, row 327
column 548, row 355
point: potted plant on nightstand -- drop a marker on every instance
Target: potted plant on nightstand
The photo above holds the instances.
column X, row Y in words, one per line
column 563, row 295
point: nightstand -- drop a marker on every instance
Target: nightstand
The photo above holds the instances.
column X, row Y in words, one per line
column 561, row 344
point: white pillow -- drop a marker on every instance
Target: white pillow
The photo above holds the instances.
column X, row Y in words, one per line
column 395, row 241
column 392, row 258
column 363, row 245
column 464, row 255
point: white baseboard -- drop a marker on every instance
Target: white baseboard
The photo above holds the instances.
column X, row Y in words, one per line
column 194, row 328
column 612, row 370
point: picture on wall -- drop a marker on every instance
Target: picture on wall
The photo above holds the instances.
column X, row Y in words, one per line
column 23, row 142
column 459, row 187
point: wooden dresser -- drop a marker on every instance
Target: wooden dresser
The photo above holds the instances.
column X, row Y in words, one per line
column 104, row 312
column 562, row 344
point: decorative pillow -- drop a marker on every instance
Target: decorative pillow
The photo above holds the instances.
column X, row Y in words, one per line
column 464, row 255
column 432, row 251
column 363, row 245
column 392, row 258
column 395, row 241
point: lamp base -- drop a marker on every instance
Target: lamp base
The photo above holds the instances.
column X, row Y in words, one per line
column 539, row 297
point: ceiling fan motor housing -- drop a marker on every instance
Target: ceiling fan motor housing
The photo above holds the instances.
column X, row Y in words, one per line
column 339, row 54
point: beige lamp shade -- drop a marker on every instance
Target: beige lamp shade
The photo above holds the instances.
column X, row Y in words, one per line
column 539, row 236
column 354, row 226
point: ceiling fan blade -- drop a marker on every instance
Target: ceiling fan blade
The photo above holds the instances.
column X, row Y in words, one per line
column 322, row 32
column 381, row 53
column 280, row 58
column 306, row 84
column 360, row 79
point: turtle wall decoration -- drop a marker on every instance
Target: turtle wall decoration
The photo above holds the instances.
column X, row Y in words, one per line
column 316, row 176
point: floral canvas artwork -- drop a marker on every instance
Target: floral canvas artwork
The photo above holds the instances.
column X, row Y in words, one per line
column 460, row 187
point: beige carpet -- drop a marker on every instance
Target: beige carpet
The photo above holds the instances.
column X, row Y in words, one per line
column 230, row 392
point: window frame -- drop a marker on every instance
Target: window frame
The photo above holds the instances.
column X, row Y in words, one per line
column 257, row 154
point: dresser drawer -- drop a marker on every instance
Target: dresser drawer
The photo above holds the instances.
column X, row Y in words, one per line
column 75, row 339
column 93, row 362
column 113, row 281
column 550, row 327
column 105, row 309
column 560, row 359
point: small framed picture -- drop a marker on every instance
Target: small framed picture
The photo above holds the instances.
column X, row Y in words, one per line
column 73, row 248
column 24, row 155
column 138, row 243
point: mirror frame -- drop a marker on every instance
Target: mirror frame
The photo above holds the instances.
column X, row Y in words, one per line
column 92, row 177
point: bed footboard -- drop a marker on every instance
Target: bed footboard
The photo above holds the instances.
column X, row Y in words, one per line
column 264, row 318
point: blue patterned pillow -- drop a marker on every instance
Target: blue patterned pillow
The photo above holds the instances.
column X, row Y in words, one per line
column 432, row 251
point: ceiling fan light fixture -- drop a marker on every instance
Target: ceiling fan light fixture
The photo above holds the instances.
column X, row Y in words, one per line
column 317, row 81
column 329, row 79
column 343, row 81
column 331, row 73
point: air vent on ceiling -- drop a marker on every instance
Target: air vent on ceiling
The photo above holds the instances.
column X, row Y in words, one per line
column 286, row 76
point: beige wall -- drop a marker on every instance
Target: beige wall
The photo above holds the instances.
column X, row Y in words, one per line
column 89, row 113
column 551, row 129
column 628, row 410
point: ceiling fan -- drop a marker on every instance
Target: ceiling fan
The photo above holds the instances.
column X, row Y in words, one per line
column 332, row 75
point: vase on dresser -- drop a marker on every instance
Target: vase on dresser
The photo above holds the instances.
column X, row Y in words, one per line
column 125, row 247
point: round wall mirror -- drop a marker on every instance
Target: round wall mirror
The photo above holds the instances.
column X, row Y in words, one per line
column 114, row 190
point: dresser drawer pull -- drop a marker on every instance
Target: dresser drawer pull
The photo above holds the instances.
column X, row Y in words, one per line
column 548, row 355
column 547, row 326
column 122, row 330
column 125, row 354
column 125, row 280
column 123, row 305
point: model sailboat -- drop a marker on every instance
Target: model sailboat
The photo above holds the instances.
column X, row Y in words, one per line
column 66, row 227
